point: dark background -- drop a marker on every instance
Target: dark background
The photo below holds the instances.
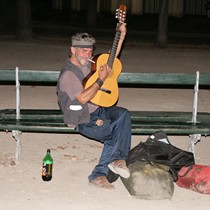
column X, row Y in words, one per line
column 189, row 29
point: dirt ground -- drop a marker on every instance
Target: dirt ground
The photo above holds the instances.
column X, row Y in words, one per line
column 75, row 156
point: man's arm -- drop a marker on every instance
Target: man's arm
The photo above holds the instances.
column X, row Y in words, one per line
column 123, row 30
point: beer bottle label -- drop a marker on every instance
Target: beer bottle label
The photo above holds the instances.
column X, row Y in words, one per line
column 47, row 169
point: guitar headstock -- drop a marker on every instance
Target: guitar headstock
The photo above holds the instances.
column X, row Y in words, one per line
column 121, row 13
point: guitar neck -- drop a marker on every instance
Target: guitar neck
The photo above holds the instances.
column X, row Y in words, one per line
column 114, row 49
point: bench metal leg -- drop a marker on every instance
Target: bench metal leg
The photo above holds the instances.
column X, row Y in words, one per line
column 194, row 139
column 16, row 135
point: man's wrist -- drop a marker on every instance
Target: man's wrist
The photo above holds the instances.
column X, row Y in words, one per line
column 99, row 82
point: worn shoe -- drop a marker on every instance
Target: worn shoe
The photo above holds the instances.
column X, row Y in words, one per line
column 102, row 182
column 119, row 167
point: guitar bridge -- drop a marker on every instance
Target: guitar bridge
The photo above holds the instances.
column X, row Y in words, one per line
column 105, row 90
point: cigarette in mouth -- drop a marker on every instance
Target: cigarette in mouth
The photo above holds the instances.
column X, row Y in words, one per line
column 91, row 60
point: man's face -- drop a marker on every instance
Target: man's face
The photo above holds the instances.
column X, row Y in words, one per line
column 82, row 55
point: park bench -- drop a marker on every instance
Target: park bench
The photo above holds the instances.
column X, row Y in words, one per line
column 194, row 124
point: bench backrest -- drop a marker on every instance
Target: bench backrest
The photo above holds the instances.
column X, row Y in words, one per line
column 125, row 79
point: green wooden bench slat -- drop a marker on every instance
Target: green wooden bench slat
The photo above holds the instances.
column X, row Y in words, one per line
column 41, row 77
column 164, row 78
column 136, row 128
column 136, row 116
column 143, row 122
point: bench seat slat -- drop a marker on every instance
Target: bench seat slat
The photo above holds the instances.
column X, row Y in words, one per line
column 136, row 116
column 142, row 128
column 143, row 122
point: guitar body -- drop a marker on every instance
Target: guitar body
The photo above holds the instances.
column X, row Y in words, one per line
column 108, row 94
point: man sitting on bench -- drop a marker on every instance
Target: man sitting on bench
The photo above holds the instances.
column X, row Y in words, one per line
column 109, row 125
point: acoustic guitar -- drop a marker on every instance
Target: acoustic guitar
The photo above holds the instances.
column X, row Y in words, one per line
column 108, row 94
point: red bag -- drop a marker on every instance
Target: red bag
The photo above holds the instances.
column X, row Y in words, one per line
column 197, row 178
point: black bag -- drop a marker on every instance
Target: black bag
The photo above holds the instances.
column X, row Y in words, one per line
column 158, row 149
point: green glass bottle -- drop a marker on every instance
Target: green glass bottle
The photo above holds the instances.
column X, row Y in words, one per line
column 47, row 167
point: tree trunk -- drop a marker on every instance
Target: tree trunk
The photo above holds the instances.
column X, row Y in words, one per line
column 24, row 20
column 162, row 33
column 92, row 13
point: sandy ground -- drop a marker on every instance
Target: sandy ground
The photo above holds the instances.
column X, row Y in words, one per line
column 75, row 156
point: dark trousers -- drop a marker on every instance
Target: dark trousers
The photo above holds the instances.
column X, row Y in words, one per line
column 115, row 134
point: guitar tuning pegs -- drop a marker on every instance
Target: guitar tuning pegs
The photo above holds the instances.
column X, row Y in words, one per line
column 121, row 13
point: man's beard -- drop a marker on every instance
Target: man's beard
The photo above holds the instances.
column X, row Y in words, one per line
column 83, row 61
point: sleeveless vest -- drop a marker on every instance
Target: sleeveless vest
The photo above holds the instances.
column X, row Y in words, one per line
column 72, row 116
